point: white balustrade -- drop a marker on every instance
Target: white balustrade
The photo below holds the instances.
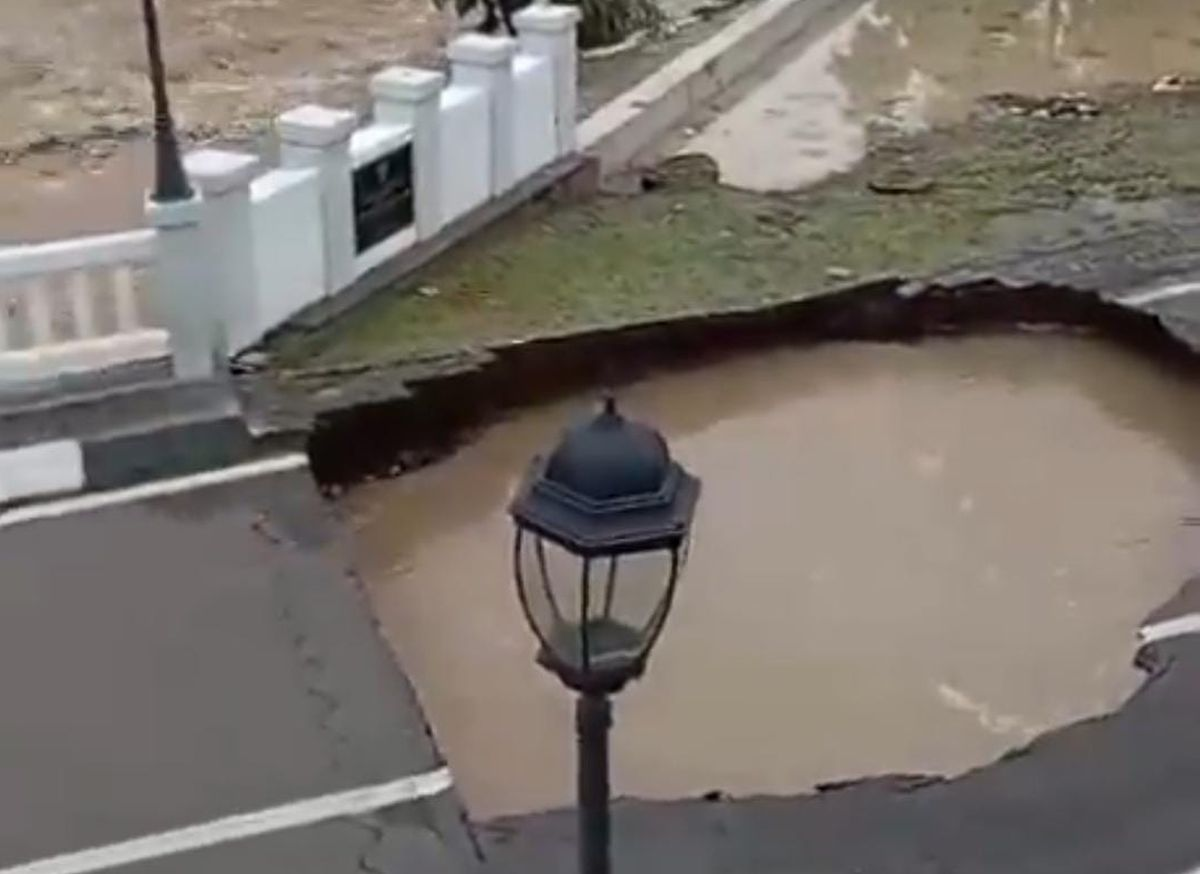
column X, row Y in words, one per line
column 250, row 250
column 71, row 306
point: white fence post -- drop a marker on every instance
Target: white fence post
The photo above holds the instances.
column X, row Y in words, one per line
column 548, row 30
column 486, row 62
column 316, row 136
column 184, row 285
column 408, row 95
column 223, row 179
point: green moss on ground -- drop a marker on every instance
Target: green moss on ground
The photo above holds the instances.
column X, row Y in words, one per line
column 687, row 247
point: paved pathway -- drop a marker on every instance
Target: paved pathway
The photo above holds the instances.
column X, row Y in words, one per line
column 173, row 662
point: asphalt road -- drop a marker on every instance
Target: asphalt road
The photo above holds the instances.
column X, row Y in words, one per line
column 187, row 658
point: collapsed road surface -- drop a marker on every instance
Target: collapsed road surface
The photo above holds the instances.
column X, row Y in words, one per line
column 192, row 682
column 1114, row 795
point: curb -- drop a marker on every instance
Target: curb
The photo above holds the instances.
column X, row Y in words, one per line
column 627, row 125
column 124, row 457
column 41, row 470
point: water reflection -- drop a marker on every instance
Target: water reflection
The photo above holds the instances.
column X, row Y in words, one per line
column 908, row 558
column 910, row 63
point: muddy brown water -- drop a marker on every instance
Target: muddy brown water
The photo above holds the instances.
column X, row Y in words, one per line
column 907, row 559
column 908, row 64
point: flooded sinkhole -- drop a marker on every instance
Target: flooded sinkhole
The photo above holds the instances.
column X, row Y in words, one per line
column 908, row 558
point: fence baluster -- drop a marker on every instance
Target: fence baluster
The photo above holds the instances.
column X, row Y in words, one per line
column 37, row 308
column 7, row 309
column 125, row 299
column 79, row 287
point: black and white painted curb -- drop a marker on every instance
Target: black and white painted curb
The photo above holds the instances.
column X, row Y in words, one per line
column 66, row 465
column 41, row 470
column 59, row 470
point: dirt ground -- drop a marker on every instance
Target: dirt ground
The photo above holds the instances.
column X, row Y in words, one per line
column 75, row 109
column 72, row 74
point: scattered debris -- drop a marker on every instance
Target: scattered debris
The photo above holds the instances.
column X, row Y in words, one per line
column 839, row 273
column 783, row 217
column 628, row 44
column 253, row 361
column 1174, row 83
column 689, row 169
column 705, row 11
column 429, row 291
column 900, row 180
column 1067, row 105
column 262, row 526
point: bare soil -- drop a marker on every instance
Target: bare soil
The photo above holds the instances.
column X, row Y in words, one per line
column 75, row 107
column 73, row 73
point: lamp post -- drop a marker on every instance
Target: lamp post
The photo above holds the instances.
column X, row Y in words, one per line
column 170, row 182
column 602, row 527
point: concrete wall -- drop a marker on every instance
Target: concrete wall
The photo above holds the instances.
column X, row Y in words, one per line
column 466, row 150
column 497, row 121
column 289, row 263
column 533, row 112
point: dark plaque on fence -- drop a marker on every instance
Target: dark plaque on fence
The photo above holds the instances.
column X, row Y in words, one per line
column 383, row 197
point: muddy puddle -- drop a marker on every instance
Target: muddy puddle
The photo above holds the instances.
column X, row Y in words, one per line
column 907, row 559
column 46, row 197
column 907, row 64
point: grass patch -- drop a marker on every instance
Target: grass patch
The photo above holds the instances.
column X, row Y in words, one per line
column 697, row 246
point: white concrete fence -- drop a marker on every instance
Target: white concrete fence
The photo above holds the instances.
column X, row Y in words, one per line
column 254, row 247
column 73, row 306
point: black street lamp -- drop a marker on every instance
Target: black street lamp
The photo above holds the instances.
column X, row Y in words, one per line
column 170, row 182
column 602, row 530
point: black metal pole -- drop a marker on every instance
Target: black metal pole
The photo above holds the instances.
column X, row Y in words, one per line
column 170, row 182
column 593, row 717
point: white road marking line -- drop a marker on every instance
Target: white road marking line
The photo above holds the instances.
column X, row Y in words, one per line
column 1157, row 294
column 98, row 500
column 354, row 802
column 1179, row 625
